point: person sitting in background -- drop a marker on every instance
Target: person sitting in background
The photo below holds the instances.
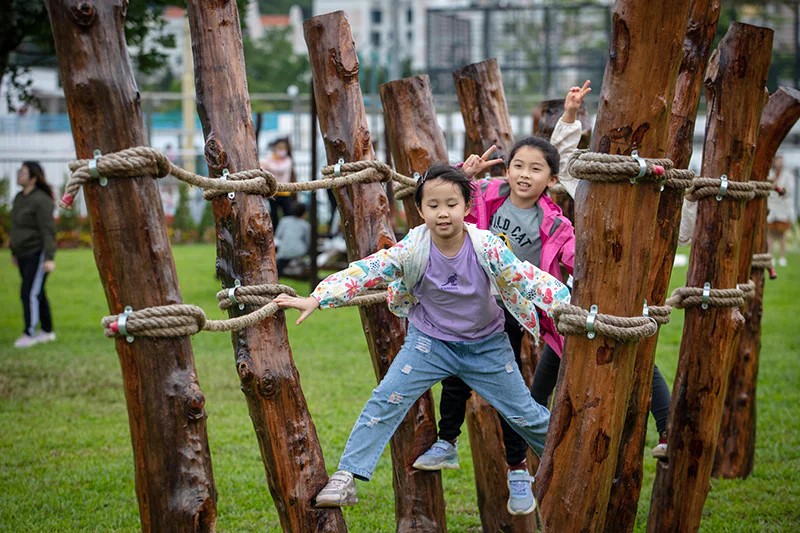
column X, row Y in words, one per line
column 280, row 165
column 293, row 237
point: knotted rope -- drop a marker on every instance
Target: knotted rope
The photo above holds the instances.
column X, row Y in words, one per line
column 736, row 190
column 684, row 297
column 144, row 160
column 177, row 320
column 572, row 320
column 762, row 261
column 762, row 189
column 607, row 168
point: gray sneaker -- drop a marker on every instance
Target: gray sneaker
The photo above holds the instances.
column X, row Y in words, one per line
column 441, row 455
column 520, row 494
column 339, row 492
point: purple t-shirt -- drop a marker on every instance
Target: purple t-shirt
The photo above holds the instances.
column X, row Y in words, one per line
column 455, row 298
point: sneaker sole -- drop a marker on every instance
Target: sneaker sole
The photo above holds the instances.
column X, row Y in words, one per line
column 520, row 513
column 433, row 468
column 335, row 503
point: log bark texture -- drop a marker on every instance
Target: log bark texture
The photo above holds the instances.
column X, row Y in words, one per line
column 737, row 439
column 415, row 139
column 287, row 437
column 734, row 82
column 479, row 87
column 545, row 118
column 172, row 464
column 483, row 106
column 364, row 209
column 612, row 261
column 700, row 31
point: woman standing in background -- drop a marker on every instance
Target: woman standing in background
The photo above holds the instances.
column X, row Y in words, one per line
column 33, row 247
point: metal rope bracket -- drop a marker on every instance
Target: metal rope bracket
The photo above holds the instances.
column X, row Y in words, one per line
column 723, row 187
column 590, row 333
column 122, row 323
column 337, row 168
column 645, row 309
column 642, row 166
column 706, row 294
column 224, row 177
column 232, row 294
column 92, row 165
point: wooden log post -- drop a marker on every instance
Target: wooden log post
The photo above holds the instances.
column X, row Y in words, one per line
column 545, row 118
column 419, row 501
column 481, row 95
column 735, row 93
column 415, row 139
column 700, row 31
column 166, row 414
column 287, row 437
column 612, row 261
column 737, row 439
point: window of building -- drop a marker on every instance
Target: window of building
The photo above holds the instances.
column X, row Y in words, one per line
column 377, row 16
column 410, row 16
column 375, row 39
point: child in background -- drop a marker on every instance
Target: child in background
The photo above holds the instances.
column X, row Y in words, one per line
column 293, row 237
column 441, row 276
column 280, row 164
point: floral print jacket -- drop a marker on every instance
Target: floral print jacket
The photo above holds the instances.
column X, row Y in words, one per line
column 520, row 284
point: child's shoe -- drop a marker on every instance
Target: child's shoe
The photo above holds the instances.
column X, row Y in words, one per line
column 782, row 262
column 44, row 336
column 660, row 451
column 441, row 455
column 25, row 341
column 339, row 492
column 520, row 493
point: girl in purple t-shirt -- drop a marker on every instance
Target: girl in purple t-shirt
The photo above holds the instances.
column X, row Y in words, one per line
column 442, row 266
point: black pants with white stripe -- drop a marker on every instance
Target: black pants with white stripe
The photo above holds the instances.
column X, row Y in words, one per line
column 35, row 306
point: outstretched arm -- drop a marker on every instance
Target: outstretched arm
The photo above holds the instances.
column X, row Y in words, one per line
column 306, row 305
column 573, row 101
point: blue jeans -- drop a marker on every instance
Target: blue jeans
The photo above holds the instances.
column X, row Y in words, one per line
column 486, row 365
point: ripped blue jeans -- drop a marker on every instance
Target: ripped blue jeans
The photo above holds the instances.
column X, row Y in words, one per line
column 486, row 365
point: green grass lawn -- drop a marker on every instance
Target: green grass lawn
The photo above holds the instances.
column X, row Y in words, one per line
column 65, row 453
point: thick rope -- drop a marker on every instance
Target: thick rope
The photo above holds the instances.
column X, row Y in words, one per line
column 679, row 178
column 684, row 297
column 762, row 188
column 762, row 261
column 607, row 168
column 571, row 320
column 146, row 161
column 704, row 187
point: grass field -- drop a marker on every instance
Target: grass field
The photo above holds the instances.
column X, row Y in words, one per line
column 65, row 453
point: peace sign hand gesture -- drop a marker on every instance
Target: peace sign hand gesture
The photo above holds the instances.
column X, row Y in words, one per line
column 573, row 101
column 475, row 164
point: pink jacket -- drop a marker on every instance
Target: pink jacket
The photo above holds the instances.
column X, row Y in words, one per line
column 556, row 233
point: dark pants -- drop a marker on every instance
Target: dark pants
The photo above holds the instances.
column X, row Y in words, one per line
column 544, row 381
column 35, row 306
column 285, row 203
column 455, row 393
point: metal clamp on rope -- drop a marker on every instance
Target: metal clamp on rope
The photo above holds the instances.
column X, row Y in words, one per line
column 645, row 309
column 723, row 187
column 93, row 169
column 642, row 166
column 337, row 168
column 416, row 176
column 232, row 294
column 224, row 177
column 706, row 295
column 122, row 323
column 590, row 334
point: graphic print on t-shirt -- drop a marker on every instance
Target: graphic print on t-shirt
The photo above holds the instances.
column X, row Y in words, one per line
column 519, row 229
column 451, row 284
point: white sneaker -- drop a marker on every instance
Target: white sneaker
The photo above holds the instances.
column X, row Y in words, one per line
column 25, row 341
column 782, row 261
column 44, row 336
column 339, row 492
column 441, row 455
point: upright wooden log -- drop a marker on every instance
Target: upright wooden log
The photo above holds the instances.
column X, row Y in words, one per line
column 734, row 83
column 612, row 261
column 419, row 502
column 172, row 464
column 415, row 139
column 286, row 434
column 737, row 439
column 483, row 106
column 480, row 93
column 700, row 31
